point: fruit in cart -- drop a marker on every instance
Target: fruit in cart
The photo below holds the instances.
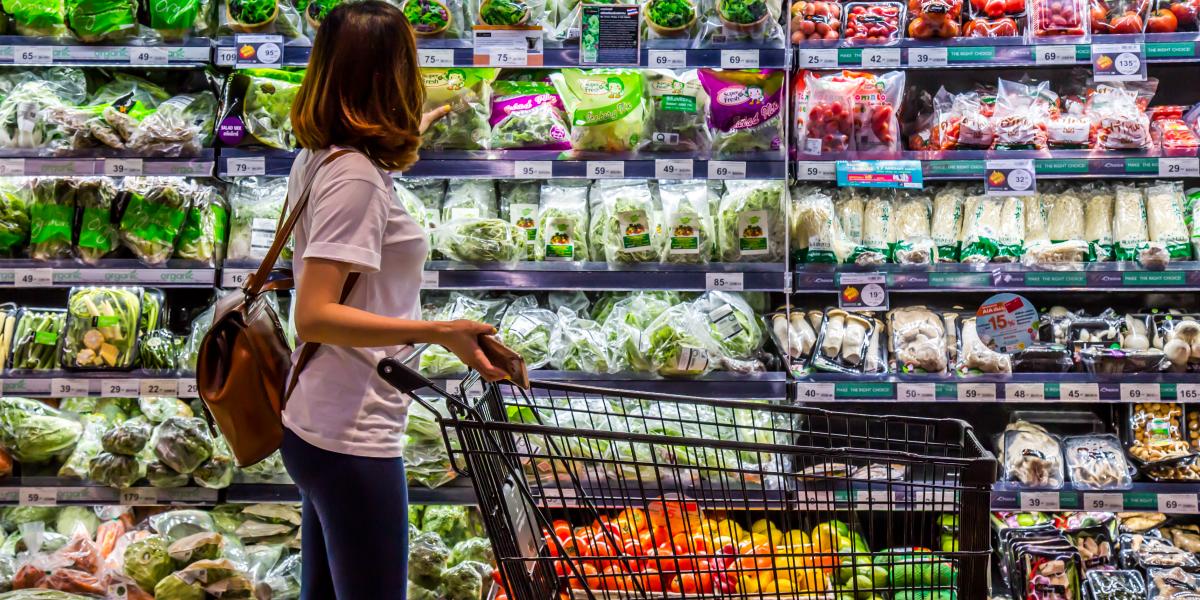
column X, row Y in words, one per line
column 1163, row 20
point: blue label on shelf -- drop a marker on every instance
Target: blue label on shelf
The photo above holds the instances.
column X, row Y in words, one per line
column 880, row 174
column 1006, row 322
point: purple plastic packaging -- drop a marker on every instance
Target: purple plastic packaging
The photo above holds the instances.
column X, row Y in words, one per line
column 528, row 115
column 745, row 110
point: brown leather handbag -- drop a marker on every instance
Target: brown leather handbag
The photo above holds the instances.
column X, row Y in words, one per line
column 244, row 359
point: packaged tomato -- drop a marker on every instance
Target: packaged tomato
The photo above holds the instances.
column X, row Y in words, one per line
column 995, row 9
column 1118, row 16
column 873, row 22
column 814, row 20
column 1169, row 16
column 824, row 122
column 963, row 121
column 983, row 27
column 1021, row 115
column 934, row 18
column 1171, row 132
column 1058, row 18
column 876, row 102
column 1117, row 110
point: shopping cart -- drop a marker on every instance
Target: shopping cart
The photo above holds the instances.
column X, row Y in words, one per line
column 599, row 493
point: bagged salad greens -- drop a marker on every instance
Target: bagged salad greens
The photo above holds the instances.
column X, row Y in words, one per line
column 579, row 344
column 27, row 108
column 519, row 205
column 437, row 361
column 626, row 321
column 255, row 204
column 259, row 16
column 529, row 115
column 688, row 233
column 101, row 20
column 509, row 12
column 35, row 341
column 436, row 18
column 203, row 234
column 181, row 126
column 94, row 198
column 742, row 22
column 256, row 108
column 678, row 109
column 606, row 107
column 482, row 240
column 469, row 199
column 116, row 470
column 562, row 227
column 102, row 328
column 678, row 342
column 177, row 19
column 468, row 92
column 731, row 323
column 155, row 213
column 15, row 197
column 630, row 224
column 746, row 114
column 527, row 329
column 750, row 221
column 51, row 214
column 86, row 448
column 35, row 18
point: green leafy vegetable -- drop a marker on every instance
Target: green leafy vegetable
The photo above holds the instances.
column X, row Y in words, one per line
column 14, row 216
column 750, row 217
column 427, row 16
column 468, row 93
column 482, row 240
column 253, row 12
column 147, row 561
column 182, row 443
column 503, row 12
column 116, row 470
column 97, row 20
column 671, row 13
column 102, row 327
column 268, row 106
column 606, row 108
column 743, row 12
column 35, row 343
column 154, row 216
column 97, row 234
column 51, row 214
column 127, row 438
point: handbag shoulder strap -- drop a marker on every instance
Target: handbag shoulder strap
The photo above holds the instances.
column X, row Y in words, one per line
column 310, row 348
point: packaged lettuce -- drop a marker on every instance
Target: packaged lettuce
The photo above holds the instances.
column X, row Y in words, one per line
column 745, row 113
column 433, row 19
column 678, row 342
column 731, row 323
column 437, row 361
column 527, row 330
column 36, row 18
column 562, row 228
column 606, row 108
column 482, row 241
column 97, row 237
column 469, row 199
column 508, row 13
column 678, row 109
column 519, row 206
column 529, row 115
column 203, row 235
column 579, row 344
column 155, row 213
column 176, row 19
column 468, row 92
column 101, row 20
column 51, row 213
column 750, row 219
column 14, row 215
column 255, row 204
column 687, row 222
column 256, row 108
column 629, row 229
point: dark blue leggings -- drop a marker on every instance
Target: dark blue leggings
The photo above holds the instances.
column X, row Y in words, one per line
column 354, row 537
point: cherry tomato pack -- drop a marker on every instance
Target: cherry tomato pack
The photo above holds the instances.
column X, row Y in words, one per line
column 848, row 111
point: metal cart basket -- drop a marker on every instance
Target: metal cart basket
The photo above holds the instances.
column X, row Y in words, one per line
column 599, row 493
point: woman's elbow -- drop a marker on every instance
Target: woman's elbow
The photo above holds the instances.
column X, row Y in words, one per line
column 309, row 327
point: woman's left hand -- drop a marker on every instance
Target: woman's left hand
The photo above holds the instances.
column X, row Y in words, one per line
column 433, row 116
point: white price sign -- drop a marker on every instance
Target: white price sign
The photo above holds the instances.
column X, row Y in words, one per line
column 605, row 169
column 667, row 59
column 1179, row 167
column 816, row 170
column 148, row 55
column 824, row 58
column 1177, row 503
column 1024, row 392
column 143, row 496
column 729, row 282
column 12, row 167
column 1140, row 392
column 226, row 56
column 68, row 388
column 874, row 58
column 37, row 496
column 916, row 392
column 1054, row 55
column 234, row 279
column 158, row 387
column 508, row 57
column 1079, row 392
column 1103, row 502
column 533, row 169
column 815, row 392
column 244, row 167
column 119, row 388
column 726, row 169
column 673, row 168
column 122, row 167
column 33, row 55
column 431, row 280
column 1040, row 501
column 739, row 59
column 33, row 277
column 187, row 388
column 1187, row 392
column 976, row 392
column 928, row 57
column 436, row 57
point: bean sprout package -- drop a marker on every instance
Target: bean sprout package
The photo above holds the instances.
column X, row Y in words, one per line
column 529, row 115
column 678, row 109
column 1021, row 114
column 606, row 108
column 1118, row 111
column 745, row 112
column 468, row 92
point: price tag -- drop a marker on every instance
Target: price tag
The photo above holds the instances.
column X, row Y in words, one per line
column 1118, row 62
column 673, row 168
column 1104, row 502
column 916, row 392
column 1054, row 55
column 605, row 169
column 1140, row 392
column 508, row 57
column 122, row 167
column 119, row 388
column 33, row 277
column 1079, row 392
column 823, row 58
column 667, row 59
column 1040, row 501
column 158, row 387
column 475, row 389
column 928, row 57
column 436, row 57
column 1024, row 392
column 143, row 496
column 68, row 388
column 33, row 55
column 148, row 55
column 12, row 167
column 187, row 388
column 880, row 57
column 1179, row 167
column 816, row 171
column 875, row 497
column 730, row 282
column 234, row 279
column 1177, row 503
column 1187, row 392
column 246, row 166
column 37, row 496
column 862, row 291
column 976, row 392
column 726, row 169
column 226, row 56
column 739, row 59
column 258, row 50
column 1010, row 178
column 533, row 169
column 430, row 280
column 815, row 392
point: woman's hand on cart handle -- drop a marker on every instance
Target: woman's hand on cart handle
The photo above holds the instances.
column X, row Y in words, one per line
column 433, row 116
column 462, row 338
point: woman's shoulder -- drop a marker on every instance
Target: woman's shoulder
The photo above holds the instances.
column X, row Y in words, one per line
column 350, row 165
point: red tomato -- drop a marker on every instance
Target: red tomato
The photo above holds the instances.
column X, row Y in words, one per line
column 578, row 546
column 602, row 552
column 651, row 581
column 662, row 559
column 562, row 529
column 1127, row 23
column 551, row 548
column 1185, row 13
column 615, row 578
column 590, row 577
column 696, row 583
column 646, row 540
column 1163, row 21
column 633, row 550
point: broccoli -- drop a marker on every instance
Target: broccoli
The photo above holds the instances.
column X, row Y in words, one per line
column 462, row 582
column 452, row 523
column 476, row 549
column 427, row 556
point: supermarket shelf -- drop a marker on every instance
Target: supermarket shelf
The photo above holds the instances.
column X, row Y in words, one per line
column 295, row 52
column 99, row 162
column 45, row 51
column 64, row 273
column 1050, row 164
column 56, row 491
column 119, row 384
column 717, row 384
column 1106, row 276
column 502, row 164
column 1018, row 387
column 991, row 53
column 458, row 491
column 1169, row 498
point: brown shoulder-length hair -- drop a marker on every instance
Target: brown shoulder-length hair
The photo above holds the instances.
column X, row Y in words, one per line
column 363, row 88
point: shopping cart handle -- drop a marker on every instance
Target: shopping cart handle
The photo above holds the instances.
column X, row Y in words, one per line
column 408, row 380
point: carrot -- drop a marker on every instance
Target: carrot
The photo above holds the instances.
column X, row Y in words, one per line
column 107, row 535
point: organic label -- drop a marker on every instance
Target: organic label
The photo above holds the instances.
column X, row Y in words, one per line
column 684, row 236
column 752, row 232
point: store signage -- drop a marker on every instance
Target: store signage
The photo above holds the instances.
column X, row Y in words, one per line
column 862, row 291
column 436, row 57
column 516, row 46
column 1118, row 62
column 816, row 170
column 258, row 50
column 33, row 55
column 1179, row 167
column 533, row 169
column 667, row 59
column 609, row 35
column 878, row 58
column 1010, row 178
column 825, row 58
column 120, row 388
column 674, row 168
column 1006, row 322
column 880, row 174
column 928, row 57
column 739, row 59
column 1054, row 55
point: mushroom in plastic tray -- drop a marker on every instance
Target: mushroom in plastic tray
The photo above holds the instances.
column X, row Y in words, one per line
column 1174, row 584
column 1114, row 361
column 1156, row 442
column 1032, row 457
column 1114, row 585
column 843, row 342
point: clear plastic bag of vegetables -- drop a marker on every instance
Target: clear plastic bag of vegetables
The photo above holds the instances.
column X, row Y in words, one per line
column 527, row 329
column 579, row 344
column 437, row 361
column 116, row 470
column 35, row 341
column 426, row 460
column 102, row 328
column 154, row 215
column 678, row 106
column 482, row 241
column 51, row 215
column 687, row 222
column 159, row 350
column 177, row 19
column 625, row 323
column 257, row 106
column 732, row 324
column 15, row 196
column 615, row 121
column 94, row 198
column 508, row 13
column 631, row 223
column 203, row 235
column 750, row 222
column 679, row 342
column 468, row 92
column 35, row 433
column 181, row 126
column 563, row 222
column 255, row 204
column 469, row 199
column 86, row 448
column 519, row 206
column 190, row 353
column 182, row 443
column 432, row 19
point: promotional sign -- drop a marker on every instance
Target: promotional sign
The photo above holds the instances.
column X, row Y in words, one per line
column 610, row 35
column 862, row 291
column 880, row 174
column 1010, row 178
column 1006, row 323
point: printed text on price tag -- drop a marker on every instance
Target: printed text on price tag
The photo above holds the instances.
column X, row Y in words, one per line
column 1179, row 167
column 1104, row 502
column 33, row 55
column 739, row 59
column 1079, row 392
column 33, row 277
column 187, row 388
column 1010, row 177
column 1040, row 501
column 1140, row 392
column 158, row 387
column 1187, row 392
column 816, row 171
column 730, row 282
column 605, row 169
column 674, row 168
column 436, row 57
column 875, row 58
column 508, row 57
column 123, row 167
column 928, row 57
column 1024, row 392
column 12, row 167
column 726, row 169
column 976, row 392
column 68, row 388
column 815, row 392
column 246, row 166
column 1118, row 62
column 667, row 59
column 120, row 388
column 148, row 55
column 431, row 280
column 1054, row 55
column 1177, row 504
column 823, row 58
column 916, row 392
column 533, row 169
column 37, row 496
column 143, row 496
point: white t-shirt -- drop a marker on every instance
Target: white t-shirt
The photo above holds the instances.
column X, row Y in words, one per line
column 340, row 403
